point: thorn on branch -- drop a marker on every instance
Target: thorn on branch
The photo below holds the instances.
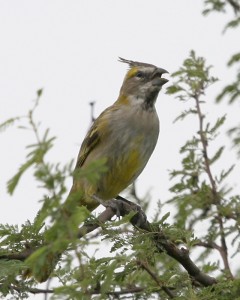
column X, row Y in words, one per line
column 92, row 104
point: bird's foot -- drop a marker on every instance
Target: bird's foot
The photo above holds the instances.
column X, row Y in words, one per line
column 122, row 207
column 140, row 218
column 113, row 204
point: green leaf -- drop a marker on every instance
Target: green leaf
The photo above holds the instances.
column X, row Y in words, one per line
column 232, row 24
column 165, row 217
column 184, row 114
column 12, row 183
column 10, row 268
column 8, row 123
column 217, row 125
column 39, row 92
column 234, row 59
column 217, row 155
column 225, row 173
column 173, row 89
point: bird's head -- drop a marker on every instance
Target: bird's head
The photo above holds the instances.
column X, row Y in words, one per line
column 142, row 83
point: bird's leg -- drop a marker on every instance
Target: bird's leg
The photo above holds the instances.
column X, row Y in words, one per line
column 140, row 218
column 120, row 198
column 112, row 203
column 122, row 206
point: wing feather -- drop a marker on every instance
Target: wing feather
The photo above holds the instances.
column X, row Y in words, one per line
column 97, row 134
column 90, row 142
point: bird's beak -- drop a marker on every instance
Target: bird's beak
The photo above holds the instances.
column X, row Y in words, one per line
column 161, row 71
column 157, row 79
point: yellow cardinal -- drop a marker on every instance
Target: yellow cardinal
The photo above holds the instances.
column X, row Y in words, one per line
column 125, row 134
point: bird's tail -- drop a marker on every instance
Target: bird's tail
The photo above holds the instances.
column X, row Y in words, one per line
column 59, row 237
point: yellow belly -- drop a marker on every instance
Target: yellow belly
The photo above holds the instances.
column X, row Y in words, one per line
column 121, row 173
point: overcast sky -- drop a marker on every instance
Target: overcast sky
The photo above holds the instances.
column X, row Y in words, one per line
column 70, row 49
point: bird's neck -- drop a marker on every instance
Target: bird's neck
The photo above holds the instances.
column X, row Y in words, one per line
column 123, row 99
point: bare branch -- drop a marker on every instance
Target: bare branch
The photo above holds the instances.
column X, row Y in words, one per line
column 140, row 222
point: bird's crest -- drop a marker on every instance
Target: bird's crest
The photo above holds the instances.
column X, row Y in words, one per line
column 132, row 63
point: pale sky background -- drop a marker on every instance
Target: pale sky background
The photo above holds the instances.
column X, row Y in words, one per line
column 70, row 49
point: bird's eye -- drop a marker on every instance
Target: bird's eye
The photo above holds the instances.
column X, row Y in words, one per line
column 140, row 74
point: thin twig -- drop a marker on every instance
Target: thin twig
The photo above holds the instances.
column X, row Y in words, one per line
column 216, row 199
column 155, row 278
column 35, row 291
column 235, row 6
column 209, row 245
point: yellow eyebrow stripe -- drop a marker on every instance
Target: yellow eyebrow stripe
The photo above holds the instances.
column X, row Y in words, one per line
column 132, row 72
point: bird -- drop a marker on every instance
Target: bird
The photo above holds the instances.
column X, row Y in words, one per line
column 124, row 136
